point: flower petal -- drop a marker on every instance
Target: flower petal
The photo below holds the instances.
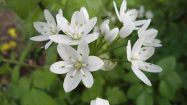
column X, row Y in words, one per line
column 71, row 82
column 40, row 38
column 112, row 35
column 50, row 19
column 123, row 8
column 133, row 14
column 149, row 67
column 141, row 75
column 42, row 27
column 59, row 67
column 62, row 23
column 90, row 37
column 62, row 39
column 48, row 44
column 85, row 13
column 127, row 28
column 67, row 52
column 104, row 27
column 137, row 46
column 145, row 53
column 99, row 101
column 94, row 63
column 90, row 25
column 87, row 79
column 129, row 50
column 84, row 50
column 116, row 10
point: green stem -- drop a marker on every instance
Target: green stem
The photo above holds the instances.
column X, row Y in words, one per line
column 118, row 60
column 110, row 49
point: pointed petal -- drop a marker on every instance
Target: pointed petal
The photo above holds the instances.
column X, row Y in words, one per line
column 145, row 26
column 49, row 18
column 90, row 37
column 59, row 67
column 90, row 25
column 141, row 75
column 137, row 46
column 62, row 23
column 85, row 13
column 42, row 27
column 127, row 29
column 84, row 50
column 123, row 8
column 129, row 50
column 71, row 82
column 112, row 35
column 40, row 38
column 62, row 39
column 145, row 53
column 67, row 52
column 99, row 101
column 149, row 67
column 87, row 79
column 104, row 27
column 94, row 63
column 116, row 10
column 48, row 44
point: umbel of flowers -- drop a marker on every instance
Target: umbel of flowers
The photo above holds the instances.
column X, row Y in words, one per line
column 78, row 60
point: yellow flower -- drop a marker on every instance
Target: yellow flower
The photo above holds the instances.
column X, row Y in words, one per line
column 12, row 32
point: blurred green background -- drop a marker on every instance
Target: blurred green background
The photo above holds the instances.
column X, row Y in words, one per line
column 25, row 78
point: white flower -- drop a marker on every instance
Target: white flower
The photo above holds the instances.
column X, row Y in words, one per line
column 77, row 64
column 76, row 31
column 127, row 18
column 149, row 35
column 99, row 101
column 109, row 35
column 137, row 56
column 46, row 29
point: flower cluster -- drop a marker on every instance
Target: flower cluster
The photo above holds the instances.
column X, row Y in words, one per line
column 80, row 40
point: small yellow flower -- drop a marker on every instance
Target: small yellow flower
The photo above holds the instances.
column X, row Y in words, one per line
column 7, row 46
column 12, row 32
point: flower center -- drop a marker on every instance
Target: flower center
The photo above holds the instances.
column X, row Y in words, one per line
column 76, row 36
column 78, row 65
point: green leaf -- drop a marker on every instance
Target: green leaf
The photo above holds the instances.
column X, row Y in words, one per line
column 134, row 91
column 168, row 64
column 36, row 97
column 144, row 99
column 166, row 90
column 51, row 55
column 43, row 79
column 115, row 96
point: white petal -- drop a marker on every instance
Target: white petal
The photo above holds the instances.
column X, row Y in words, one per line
column 149, row 34
column 48, row 44
column 145, row 53
column 145, row 26
column 141, row 75
column 62, row 39
column 71, row 82
column 127, row 28
column 140, row 22
column 99, row 101
column 129, row 50
column 94, row 63
column 133, row 14
column 149, row 67
column 90, row 25
column 62, row 23
column 123, row 8
column 112, row 34
column 87, row 79
column 40, row 38
column 90, row 37
column 84, row 50
column 66, row 52
column 137, row 46
column 75, row 19
column 85, row 13
column 59, row 67
column 116, row 10
column 49, row 18
column 42, row 27
column 105, row 27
